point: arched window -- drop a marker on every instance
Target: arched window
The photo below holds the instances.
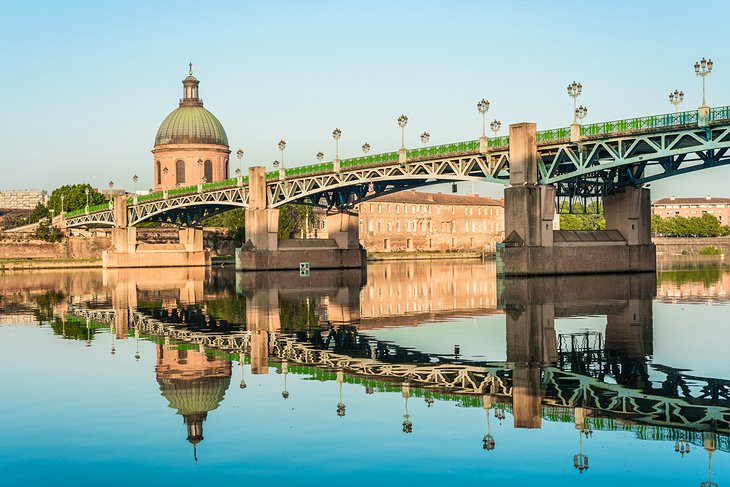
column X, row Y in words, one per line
column 227, row 174
column 208, row 172
column 180, row 172
column 158, row 170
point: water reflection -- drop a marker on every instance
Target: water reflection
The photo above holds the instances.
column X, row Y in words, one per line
column 327, row 327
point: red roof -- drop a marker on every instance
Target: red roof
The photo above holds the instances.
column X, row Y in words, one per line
column 691, row 201
column 415, row 197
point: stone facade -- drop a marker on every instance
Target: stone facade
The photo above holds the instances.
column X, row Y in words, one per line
column 24, row 199
column 416, row 221
column 693, row 207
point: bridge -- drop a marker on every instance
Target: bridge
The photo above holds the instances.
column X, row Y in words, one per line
column 572, row 166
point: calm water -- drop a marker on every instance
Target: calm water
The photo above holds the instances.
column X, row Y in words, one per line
column 409, row 374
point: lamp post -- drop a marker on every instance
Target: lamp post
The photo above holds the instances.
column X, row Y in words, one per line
column 165, row 170
column 282, row 146
column 135, row 178
column 574, row 91
column 581, row 112
column 239, row 154
column 285, row 371
column 111, row 184
column 200, row 169
column 483, row 107
column 242, row 360
column 136, row 341
column 425, row 137
column 402, row 122
column 708, row 440
column 676, row 98
column 365, row 148
column 703, row 68
column 336, row 134
column 62, row 206
column 86, row 191
column 495, row 126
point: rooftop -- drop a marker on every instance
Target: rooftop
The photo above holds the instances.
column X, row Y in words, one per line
column 691, row 201
column 416, row 197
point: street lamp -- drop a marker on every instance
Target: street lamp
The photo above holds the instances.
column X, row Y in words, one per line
column 425, row 137
column 483, row 107
column 495, row 126
column 86, row 191
column 365, row 148
column 676, row 98
column 702, row 69
column 574, row 91
column 62, row 206
column 282, row 146
column 111, row 184
column 320, row 156
column 336, row 134
column 165, row 170
column 581, row 112
column 135, row 178
column 239, row 154
column 200, row 169
column 402, row 122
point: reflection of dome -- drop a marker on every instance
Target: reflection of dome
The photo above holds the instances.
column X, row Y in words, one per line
column 191, row 124
column 194, row 396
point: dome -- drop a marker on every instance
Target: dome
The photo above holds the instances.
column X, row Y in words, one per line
column 191, row 124
column 196, row 396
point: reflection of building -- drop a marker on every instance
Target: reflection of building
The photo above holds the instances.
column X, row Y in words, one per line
column 689, row 207
column 194, row 384
column 191, row 144
column 410, row 220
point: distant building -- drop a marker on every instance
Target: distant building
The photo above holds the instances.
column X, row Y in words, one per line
column 693, row 207
column 191, row 144
column 24, row 199
column 415, row 221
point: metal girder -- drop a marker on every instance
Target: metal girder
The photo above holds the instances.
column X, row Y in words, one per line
column 103, row 218
column 215, row 200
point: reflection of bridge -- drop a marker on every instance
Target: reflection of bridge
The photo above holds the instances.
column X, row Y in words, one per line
column 605, row 160
column 530, row 381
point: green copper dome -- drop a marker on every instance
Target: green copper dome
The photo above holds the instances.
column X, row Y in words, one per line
column 190, row 123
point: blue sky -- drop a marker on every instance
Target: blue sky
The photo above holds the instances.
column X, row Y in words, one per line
column 87, row 83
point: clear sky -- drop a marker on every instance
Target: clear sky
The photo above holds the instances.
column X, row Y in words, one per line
column 87, row 83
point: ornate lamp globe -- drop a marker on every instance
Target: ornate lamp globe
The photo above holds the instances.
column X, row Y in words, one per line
column 365, row 148
column 320, row 156
column 425, row 137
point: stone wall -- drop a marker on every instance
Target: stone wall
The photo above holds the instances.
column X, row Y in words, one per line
column 683, row 245
column 72, row 248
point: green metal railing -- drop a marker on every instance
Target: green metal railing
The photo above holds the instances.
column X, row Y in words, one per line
column 553, row 134
column 650, row 122
column 719, row 113
column 469, row 145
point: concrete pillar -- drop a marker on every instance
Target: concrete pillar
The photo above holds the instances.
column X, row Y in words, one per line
column 344, row 228
column 529, row 208
column 630, row 332
column 262, row 223
column 192, row 239
column 124, row 240
column 629, row 212
column 120, row 211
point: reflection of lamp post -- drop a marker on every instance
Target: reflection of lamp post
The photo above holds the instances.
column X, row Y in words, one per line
column 405, row 390
column 88, row 332
column 340, row 405
column 285, row 371
column 241, row 360
column 113, row 331
column 580, row 461
column 703, row 69
column 709, row 443
column 428, row 401
column 488, row 439
column 136, row 341
column 681, row 446
column 499, row 414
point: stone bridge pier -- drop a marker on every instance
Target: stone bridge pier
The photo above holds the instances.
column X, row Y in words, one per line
column 264, row 250
column 126, row 251
column 533, row 247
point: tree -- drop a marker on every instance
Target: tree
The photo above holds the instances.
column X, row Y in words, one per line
column 74, row 197
column 678, row 226
column 233, row 220
column 590, row 219
column 293, row 220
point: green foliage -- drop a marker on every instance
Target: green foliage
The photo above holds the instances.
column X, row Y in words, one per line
column 38, row 213
column 705, row 226
column 710, row 251
column 74, row 197
column 233, row 220
column 293, row 220
column 47, row 232
column 590, row 219
column 298, row 314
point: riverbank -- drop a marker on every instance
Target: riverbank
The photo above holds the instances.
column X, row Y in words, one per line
column 52, row 263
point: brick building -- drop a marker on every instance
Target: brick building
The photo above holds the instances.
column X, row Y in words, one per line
column 414, row 221
column 693, row 207
column 23, row 199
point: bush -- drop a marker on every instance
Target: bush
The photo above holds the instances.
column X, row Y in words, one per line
column 710, row 251
column 47, row 232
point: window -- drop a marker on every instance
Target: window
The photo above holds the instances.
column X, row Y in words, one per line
column 371, row 208
column 370, row 225
column 408, row 226
column 208, row 171
column 159, row 172
column 397, row 209
column 180, row 172
column 413, row 208
column 227, row 169
column 397, row 226
column 380, row 208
